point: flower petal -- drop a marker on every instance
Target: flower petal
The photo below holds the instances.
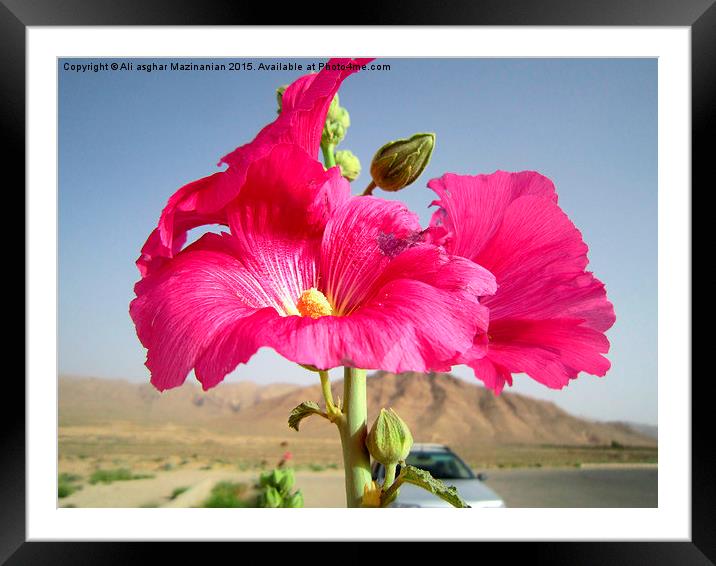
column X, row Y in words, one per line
column 402, row 304
column 204, row 310
column 279, row 217
column 409, row 326
column 202, row 202
column 550, row 351
column 539, row 259
column 471, row 207
column 432, row 265
column 548, row 316
column 169, row 237
column 194, row 299
column 492, row 374
column 304, row 106
column 361, row 239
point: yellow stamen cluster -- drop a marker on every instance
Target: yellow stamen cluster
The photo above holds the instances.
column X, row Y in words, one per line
column 313, row 303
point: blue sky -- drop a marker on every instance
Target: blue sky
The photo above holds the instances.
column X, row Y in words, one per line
column 129, row 139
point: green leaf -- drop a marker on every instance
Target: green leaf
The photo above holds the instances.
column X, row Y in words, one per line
column 265, row 479
column 285, row 481
column 305, row 409
column 294, row 501
column 423, row 479
column 272, row 498
column 271, row 479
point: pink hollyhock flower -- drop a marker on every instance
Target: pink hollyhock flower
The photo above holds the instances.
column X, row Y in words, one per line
column 549, row 315
column 323, row 278
column 304, row 107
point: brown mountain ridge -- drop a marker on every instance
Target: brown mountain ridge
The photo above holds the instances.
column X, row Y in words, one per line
column 437, row 407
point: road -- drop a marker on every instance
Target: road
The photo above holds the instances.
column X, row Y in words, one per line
column 577, row 487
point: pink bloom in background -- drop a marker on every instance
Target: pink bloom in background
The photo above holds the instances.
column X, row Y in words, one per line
column 323, row 278
column 285, row 459
column 549, row 315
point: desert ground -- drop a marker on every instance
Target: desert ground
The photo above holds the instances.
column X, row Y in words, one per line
column 602, row 485
column 123, row 444
column 177, row 466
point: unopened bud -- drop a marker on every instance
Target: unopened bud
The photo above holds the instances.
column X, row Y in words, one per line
column 399, row 163
column 389, row 440
column 334, row 110
column 337, row 122
column 349, row 164
column 279, row 97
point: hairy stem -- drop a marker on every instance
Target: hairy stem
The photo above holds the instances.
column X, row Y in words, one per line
column 353, row 428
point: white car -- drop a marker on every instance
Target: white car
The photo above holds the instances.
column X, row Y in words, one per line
column 445, row 465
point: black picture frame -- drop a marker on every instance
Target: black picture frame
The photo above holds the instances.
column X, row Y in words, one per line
column 699, row 15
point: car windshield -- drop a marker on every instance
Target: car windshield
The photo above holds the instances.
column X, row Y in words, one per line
column 441, row 465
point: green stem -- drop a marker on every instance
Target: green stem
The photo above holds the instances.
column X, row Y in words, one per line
column 331, row 408
column 369, row 189
column 390, row 491
column 329, row 155
column 389, row 476
column 353, row 426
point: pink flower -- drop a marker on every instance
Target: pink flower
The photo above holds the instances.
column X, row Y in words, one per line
column 323, row 278
column 204, row 201
column 549, row 315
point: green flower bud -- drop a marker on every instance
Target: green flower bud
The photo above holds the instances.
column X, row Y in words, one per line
column 389, row 440
column 279, row 97
column 349, row 164
column 334, row 110
column 399, row 163
column 337, row 122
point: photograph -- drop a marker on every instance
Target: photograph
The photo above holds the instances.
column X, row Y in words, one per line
column 417, row 282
